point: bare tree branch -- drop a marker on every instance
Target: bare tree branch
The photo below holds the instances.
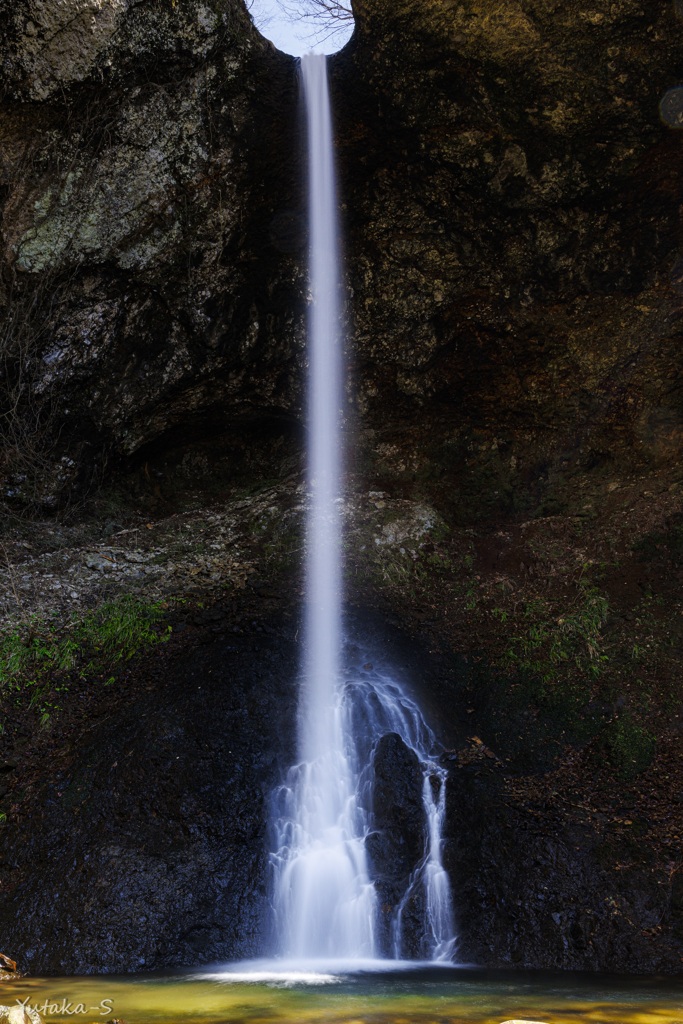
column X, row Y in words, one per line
column 327, row 17
column 307, row 10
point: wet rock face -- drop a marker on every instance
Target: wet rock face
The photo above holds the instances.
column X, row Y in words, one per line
column 397, row 844
column 533, row 892
column 147, row 847
column 511, row 189
column 149, row 158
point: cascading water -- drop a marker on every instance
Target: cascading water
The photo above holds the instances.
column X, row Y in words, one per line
column 324, row 898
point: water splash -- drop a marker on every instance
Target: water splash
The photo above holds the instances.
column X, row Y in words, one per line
column 325, row 902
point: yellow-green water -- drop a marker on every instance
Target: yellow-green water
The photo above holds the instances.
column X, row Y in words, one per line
column 444, row 997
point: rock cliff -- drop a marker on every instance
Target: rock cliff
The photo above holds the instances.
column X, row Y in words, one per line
column 511, row 180
column 149, row 216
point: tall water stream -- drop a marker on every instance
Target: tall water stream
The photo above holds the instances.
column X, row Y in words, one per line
column 324, row 897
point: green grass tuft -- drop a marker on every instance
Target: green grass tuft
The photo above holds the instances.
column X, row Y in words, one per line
column 39, row 658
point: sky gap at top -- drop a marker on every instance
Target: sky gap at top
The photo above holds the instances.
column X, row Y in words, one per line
column 298, row 26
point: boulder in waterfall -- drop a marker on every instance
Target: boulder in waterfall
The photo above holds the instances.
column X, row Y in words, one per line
column 397, row 805
column 396, row 846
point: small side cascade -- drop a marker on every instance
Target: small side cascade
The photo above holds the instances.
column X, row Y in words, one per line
column 439, row 928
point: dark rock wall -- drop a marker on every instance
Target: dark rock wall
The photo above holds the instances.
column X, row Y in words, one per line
column 146, row 847
column 512, row 197
column 531, row 890
column 150, row 226
column 138, row 841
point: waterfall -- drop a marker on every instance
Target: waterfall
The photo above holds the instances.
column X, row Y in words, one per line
column 324, row 898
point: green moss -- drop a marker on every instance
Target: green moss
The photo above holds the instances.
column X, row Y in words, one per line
column 408, row 568
column 629, row 747
column 550, row 641
column 120, row 629
column 39, row 658
column 556, row 660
